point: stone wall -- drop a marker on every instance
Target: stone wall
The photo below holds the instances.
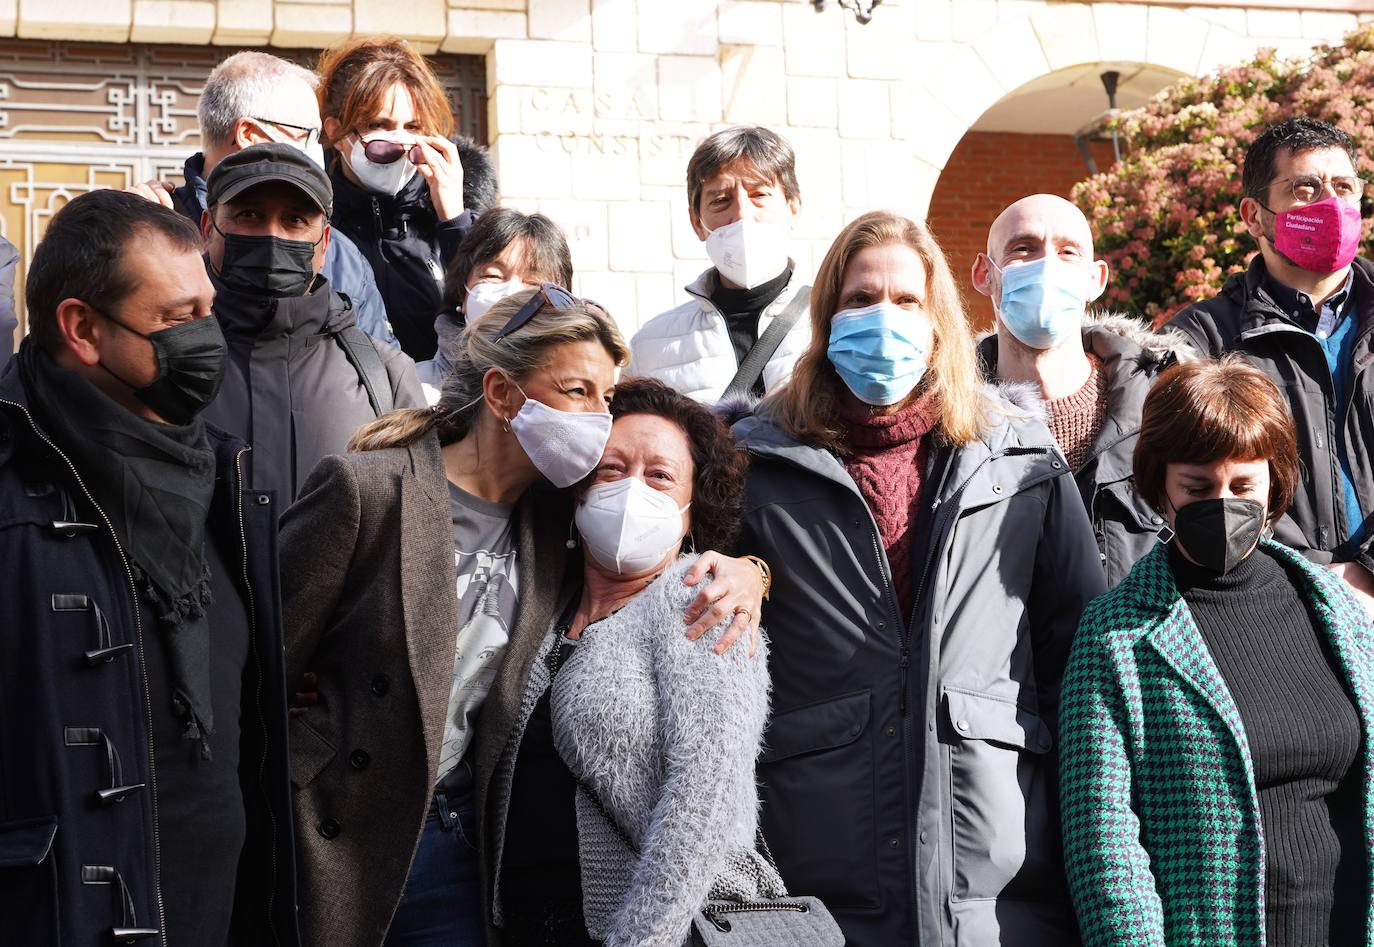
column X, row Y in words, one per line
column 596, row 104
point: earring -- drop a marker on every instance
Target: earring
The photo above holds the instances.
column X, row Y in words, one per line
column 505, row 423
column 572, row 537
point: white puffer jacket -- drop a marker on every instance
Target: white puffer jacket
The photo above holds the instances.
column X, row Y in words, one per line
column 689, row 348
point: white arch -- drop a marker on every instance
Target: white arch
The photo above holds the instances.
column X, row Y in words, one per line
column 948, row 92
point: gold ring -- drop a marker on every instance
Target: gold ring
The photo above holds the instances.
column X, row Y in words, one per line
column 741, row 610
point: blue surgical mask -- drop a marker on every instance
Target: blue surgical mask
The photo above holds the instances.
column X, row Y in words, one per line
column 880, row 352
column 1043, row 301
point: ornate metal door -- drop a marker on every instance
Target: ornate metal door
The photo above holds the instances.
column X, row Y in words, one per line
column 78, row 116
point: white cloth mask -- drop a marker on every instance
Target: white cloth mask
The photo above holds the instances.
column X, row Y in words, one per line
column 748, row 252
column 385, row 179
column 628, row 526
column 485, row 295
column 564, row 446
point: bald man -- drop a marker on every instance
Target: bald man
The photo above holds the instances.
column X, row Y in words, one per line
column 1092, row 373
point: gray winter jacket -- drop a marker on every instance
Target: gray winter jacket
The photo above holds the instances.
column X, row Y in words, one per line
column 1125, row 525
column 666, row 733
column 909, row 776
column 290, row 388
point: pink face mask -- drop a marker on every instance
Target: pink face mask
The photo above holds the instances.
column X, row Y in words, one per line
column 1322, row 237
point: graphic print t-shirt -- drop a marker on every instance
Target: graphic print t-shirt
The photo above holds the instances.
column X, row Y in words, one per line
column 484, row 552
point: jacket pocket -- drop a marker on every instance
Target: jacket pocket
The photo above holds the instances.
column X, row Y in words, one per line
column 30, row 911
column 1003, row 800
column 817, row 790
column 310, row 752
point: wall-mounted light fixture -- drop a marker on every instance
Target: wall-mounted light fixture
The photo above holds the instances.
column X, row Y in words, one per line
column 862, row 9
column 1093, row 131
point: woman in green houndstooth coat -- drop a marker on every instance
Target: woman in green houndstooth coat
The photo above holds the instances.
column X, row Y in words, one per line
column 1218, row 708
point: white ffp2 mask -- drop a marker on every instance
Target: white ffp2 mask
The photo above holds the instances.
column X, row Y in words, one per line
column 485, row 295
column 628, row 526
column 748, row 252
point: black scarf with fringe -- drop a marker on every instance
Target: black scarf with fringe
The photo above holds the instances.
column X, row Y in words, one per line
column 155, row 482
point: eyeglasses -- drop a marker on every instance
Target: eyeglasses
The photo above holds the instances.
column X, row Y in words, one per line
column 380, row 151
column 548, row 294
column 303, row 134
column 1307, row 188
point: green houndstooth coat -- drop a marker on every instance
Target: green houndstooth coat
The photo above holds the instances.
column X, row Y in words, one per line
column 1162, row 836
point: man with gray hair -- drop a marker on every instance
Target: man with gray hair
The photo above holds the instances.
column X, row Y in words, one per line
column 248, row 99
column 745, row 325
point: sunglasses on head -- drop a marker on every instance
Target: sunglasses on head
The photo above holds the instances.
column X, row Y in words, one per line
column 379, row 151
column 548, row 294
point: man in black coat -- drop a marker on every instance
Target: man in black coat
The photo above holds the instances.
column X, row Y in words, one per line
column 302, row 377
column 1303, row 313
column 253, row 97
column 144, row 789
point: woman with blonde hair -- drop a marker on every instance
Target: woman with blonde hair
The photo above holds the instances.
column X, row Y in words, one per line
column 398, row 183
column 930, row 558
column 419, row 575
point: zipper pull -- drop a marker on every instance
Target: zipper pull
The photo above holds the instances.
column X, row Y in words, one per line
column 904, row 663
column 377, row 214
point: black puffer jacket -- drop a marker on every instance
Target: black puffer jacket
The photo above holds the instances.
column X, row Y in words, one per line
column 1125, row 524
column 409, row 249
column 1245, row 318
column 55, row 836
column 290, row 388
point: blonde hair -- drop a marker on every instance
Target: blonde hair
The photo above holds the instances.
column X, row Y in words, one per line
column 807, row 407
column 357, row 75
column 476, row 352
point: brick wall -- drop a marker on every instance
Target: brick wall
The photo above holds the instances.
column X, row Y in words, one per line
column 986, row 172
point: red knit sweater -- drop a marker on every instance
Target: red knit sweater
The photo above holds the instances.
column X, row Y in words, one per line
column 886, row 459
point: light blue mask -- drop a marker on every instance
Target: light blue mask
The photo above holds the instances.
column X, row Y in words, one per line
column 1043, row 301
column 881, row 352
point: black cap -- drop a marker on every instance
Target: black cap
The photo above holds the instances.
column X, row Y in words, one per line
column 270, row 161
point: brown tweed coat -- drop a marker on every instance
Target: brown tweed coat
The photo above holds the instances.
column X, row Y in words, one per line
column 369, row 601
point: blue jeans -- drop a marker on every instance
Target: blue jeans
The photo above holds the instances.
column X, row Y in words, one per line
column 442, row 903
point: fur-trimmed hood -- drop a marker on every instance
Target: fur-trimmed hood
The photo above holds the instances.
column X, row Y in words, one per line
column 1158, row 348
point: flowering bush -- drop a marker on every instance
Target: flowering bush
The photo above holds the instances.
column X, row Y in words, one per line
column 1167, row 216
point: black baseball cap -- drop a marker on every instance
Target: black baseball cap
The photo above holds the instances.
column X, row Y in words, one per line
column 269, row 161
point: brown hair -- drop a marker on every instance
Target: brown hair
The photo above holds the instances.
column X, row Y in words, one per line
column 1211, row 410
column 718, row 477
column 766, row 151
column 357, row 75
column 807, row 407
column 476, row 352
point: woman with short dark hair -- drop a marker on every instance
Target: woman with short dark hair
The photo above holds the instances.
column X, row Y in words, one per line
column 1218, row 705
column 506, row 252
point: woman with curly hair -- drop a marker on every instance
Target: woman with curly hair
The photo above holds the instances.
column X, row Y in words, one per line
column 626, row 790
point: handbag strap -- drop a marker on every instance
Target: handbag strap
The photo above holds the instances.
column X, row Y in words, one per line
column 754, row 361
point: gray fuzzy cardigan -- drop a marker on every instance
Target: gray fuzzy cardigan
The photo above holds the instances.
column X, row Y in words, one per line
column 666, row 732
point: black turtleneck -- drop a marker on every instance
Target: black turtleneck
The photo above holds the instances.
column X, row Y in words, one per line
column 742, row 309
column 1304, row 736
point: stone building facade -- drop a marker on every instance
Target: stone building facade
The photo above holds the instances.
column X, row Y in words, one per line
column 592, row 107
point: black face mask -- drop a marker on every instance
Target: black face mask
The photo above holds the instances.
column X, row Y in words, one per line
column 190, row 368
column 262, row 265
column 1219, row 534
